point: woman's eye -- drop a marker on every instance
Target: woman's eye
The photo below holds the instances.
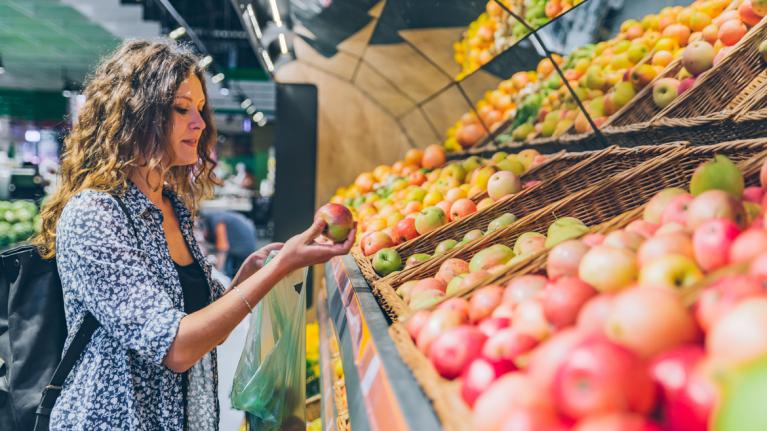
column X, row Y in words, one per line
column 181, row 110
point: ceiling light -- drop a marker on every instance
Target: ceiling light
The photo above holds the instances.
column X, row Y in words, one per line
column 267, row 61
column 217, row 78
column 224, row 91
column 261, row 123
column 205, row 61
column 250, row 110
column 258, row 116
column 251, row 15
column 177, row 33
column 275, row 13
column 245, row 103
column 283, row 43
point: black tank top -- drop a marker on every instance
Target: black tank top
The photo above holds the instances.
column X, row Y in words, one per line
column 194, row 285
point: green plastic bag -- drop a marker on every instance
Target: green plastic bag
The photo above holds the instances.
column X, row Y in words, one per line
column 270, row 381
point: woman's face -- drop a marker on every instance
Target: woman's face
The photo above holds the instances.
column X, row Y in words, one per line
column 188, row 123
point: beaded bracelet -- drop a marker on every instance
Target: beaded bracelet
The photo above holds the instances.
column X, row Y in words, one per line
column 247, row 304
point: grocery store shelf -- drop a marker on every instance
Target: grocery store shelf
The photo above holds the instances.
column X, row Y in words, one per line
column 382, row 393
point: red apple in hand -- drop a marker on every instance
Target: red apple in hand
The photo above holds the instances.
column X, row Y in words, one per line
column 338, row 222
column 601, row 377
column 563, row 299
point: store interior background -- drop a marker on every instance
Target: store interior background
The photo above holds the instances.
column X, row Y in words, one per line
column 380, row 71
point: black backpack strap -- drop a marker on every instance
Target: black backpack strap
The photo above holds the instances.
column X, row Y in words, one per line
column 72, row 354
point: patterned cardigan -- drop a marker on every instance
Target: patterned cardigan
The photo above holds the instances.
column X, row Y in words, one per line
column 129, row 283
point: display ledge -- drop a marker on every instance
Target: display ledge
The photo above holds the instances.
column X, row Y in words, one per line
column 327, row 401
column 382, row 393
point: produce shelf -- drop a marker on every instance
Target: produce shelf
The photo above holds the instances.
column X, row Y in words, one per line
column 381, row 391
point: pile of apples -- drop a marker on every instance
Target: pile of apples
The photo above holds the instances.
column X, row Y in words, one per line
column 604, row 338
column 708, row 46
column 392, row 207
column 455, row 275
column 496, row 30
column 606, row 76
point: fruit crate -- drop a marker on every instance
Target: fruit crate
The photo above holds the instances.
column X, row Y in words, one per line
column 571, row 173
column 593, row 206
column 546, row 171
column 445, row 394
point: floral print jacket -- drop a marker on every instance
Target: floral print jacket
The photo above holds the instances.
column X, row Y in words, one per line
column 127, row 280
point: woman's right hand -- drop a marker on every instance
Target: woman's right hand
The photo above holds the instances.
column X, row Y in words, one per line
column 304, row 250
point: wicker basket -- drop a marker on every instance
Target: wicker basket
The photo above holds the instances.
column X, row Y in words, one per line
column 593, row 167
column 594, row 206
column 452, row 411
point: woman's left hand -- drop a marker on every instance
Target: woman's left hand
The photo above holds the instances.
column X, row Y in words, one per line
column 254, row 262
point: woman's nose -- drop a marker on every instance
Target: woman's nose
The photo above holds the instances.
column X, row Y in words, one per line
column 198, row 122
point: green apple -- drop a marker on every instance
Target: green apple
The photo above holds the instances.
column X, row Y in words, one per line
column 512, row 165
column 416, row 194
column 529, row 242
column 445, row 246
column 455, row 171
column 608, row 269
column 744, row 389
column 501, row 222
column 698, row 57
column 425, row 299
column 665, row 91
column 429, row 219
column 404, row 290
column 454, row 285
column 720, row 174
column 636, row 53
column 497, row 157
column 472, row 235
column 471, row 164
column 595, row 78
column 623, row 93
column 563, row 229
column 673, row 272
column 386, row 261
column 489, row 257
column 416, row 259
column 522, row 131
column 503, row 183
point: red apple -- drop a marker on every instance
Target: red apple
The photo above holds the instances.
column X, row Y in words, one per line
column 505, row 310
column 416, row 322
column 374, row 241
column 642, row 227
column 453, row 351
column 428, row 284
column 672, row 371
column 492, row 325
column 714, row 204
column 513, row 390
column 655, row 207
column 594, row 313
column 529, row 319
column 758, row 267
column 479, row 376
column 338, row 221
column 474, row 279
column 450, row 268
column 649, row 320
column 753, row 194
column 483, row 302
column 748, row 245
column 712, row 241
column 507, row 344
column 563, row 299
column 676, row 210
column 564, row 258
column 601, row 377
column 405, row 229
column 458, row 305
column 740, row 334
column 429, row 219
column 593, row 239
column 523, row 288
column 624, row 239
column 617, row 422
column 664, row 245
column 439, row 322
column 718, row 298
column 532, row 419
column 462, row 208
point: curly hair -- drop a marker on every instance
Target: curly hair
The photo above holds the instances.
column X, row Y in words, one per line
column 125, row 124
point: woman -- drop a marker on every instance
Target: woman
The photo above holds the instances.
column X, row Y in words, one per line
column 145, row 136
